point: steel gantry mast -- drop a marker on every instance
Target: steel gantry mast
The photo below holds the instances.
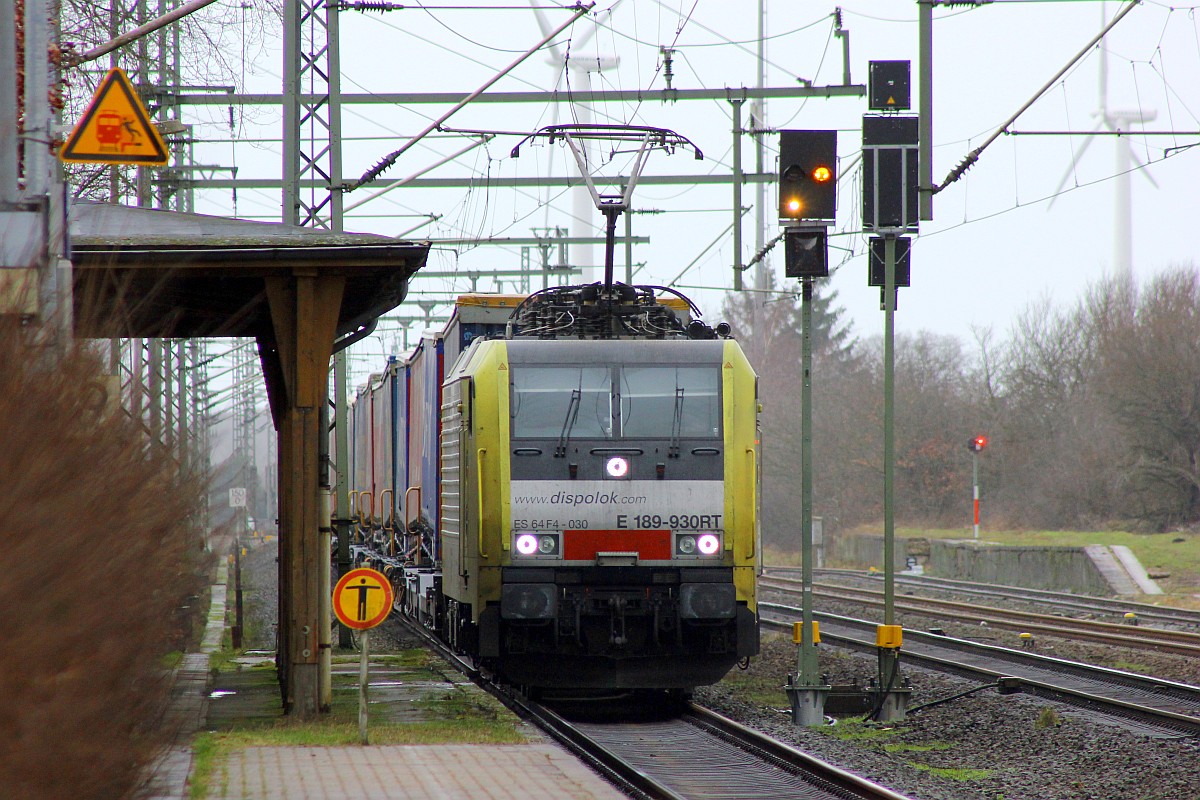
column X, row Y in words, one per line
column 312, row 127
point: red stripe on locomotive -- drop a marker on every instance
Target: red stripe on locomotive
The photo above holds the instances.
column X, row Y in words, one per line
column 584, row 545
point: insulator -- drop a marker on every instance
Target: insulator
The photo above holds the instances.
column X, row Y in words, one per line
column 366, row 5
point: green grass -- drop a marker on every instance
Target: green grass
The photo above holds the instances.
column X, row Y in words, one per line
column 929, row 747
column 339, row 732
column 855, row 730
column 1047, row 718
column 759, row 687
column 1129, row 666
column 223, row 660
column 204, row 752
column 963, row 775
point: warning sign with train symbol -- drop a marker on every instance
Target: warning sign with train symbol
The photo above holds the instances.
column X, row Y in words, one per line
column 115, row 128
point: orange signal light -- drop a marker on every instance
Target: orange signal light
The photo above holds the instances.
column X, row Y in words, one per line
column 822, row 174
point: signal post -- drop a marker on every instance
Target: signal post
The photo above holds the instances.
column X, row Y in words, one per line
column 889, row 206
column 807, row 206
column 976, row 444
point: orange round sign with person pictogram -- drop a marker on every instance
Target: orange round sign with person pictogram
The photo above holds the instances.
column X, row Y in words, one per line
column 362, row 598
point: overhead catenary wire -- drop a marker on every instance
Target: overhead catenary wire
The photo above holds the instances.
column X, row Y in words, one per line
column 973, row 156
column 391, row 158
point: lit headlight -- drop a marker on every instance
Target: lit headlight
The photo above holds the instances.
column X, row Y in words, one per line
column 697, row 545
column 537, row 544
column 617, row 467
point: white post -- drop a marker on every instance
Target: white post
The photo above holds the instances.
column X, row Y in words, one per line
column 975, row 488
column 362, row 687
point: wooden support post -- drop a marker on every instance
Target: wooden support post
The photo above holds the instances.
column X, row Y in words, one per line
column 304, row 315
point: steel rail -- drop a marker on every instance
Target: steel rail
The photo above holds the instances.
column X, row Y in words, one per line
column 640, row 783
column 772, row 749
column 627, row 779
column 1158, row 717
column 1138, row 638
column 1066, row 600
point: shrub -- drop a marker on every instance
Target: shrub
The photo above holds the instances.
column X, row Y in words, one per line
column 100, row 557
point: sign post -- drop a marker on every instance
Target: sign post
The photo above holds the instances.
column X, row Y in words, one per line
column 362, row 599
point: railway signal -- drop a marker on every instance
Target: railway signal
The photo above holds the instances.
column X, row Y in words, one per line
column 806, row 252
column 807, row 206
column 889, row 208
column 976, row 444
column 807, row 175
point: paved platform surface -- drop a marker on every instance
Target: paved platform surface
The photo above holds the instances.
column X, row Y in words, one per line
column 539, row 770
column 408, row 772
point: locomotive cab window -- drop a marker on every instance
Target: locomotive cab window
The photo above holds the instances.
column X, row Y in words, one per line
column 683, row 400
column 546, row 401
column 650, row 401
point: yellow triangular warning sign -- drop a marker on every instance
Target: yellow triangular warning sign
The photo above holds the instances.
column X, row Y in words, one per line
column 115, row 129
column 891, row 101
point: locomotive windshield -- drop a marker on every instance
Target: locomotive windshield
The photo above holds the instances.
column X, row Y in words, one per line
column 543, row 398
column 642, row 401
column 683, row 400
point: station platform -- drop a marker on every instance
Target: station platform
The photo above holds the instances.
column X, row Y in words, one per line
column 409, row 772
column 234, row 715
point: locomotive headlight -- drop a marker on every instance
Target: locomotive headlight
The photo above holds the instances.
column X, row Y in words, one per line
column 537, row 545
column 527, row 544
column 617, row 467
column 697, row 545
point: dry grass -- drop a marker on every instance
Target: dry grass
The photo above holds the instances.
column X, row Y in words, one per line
column 99, row 560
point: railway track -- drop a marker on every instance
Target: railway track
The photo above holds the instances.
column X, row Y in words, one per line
column 694, row 754
column 1150, row 705
column 1062, row 602
column 1140, row 637
column 701, row 754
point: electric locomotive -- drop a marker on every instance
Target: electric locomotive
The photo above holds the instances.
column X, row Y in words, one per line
column 594, row 514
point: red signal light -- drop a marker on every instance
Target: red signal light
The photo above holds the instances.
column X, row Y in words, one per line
column 977, row 443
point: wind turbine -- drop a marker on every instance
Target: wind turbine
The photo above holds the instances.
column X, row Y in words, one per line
column 580, row 69
column 1119, row 122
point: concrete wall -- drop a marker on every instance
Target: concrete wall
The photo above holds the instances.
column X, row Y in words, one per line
column 1063, row 569
column 1060, row 569
column 867, row 551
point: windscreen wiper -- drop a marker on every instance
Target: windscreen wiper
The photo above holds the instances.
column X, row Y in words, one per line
column 568, row 423
column 676, row 424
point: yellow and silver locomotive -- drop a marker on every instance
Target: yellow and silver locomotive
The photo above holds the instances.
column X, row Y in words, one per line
column 596, row 484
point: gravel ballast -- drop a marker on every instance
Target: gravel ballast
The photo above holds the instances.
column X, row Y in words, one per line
column 981, row 747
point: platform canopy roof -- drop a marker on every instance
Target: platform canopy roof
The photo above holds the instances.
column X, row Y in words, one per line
column 148, row 273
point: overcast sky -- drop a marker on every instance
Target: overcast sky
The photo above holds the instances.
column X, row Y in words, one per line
column 996, row 242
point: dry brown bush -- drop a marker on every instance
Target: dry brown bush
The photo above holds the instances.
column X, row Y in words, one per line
column 99, row 558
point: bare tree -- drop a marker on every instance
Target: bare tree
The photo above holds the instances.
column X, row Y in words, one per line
column 770, row 334
column 1056, row 446
column 1150, row 377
